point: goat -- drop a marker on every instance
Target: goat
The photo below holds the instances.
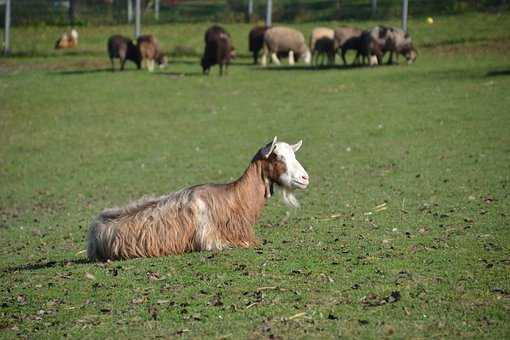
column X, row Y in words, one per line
column 124, row 49
column 150, row 51
column 202, row 217
column 322, row 41
column 284, row 40
column 67, row 40
column 218, row 49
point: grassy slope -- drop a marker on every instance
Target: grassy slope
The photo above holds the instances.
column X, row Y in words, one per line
column 431, row 140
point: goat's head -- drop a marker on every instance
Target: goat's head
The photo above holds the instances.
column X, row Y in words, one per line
column 282, row 167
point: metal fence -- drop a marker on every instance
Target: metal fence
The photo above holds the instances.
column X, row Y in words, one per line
column 105, row 12
column 112, row 12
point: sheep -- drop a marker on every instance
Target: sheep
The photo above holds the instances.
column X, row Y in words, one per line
column 67, row 40
column 284, row 39
column 218, row 49
column 124, row 49
column 150, row 51
column 256, row 41
column 204, row 217
column 393, row 40
column 347, row 38
column 325, row 46
column 322, row 41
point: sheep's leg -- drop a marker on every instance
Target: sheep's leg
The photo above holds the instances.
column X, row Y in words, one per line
column 275, row 59
column 390, row 60
column 113, row 65
column 122, row 64
column 291, row 58
column 356, row 58
column 344, row 51
column 150, row 65
column 221, row 70
column 255, row 57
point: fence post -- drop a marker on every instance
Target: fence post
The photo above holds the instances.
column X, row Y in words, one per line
column 72, row 11
column 250, row 9
column 404, row 15
column 138, row 9
column 374, row 8
column 130, row 10
column 156, row 10
column 269, row 12
column 7, row 31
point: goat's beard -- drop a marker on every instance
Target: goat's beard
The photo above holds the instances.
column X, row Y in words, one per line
column 289, row 198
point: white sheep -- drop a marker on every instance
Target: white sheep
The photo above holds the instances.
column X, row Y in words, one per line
column 285, row 40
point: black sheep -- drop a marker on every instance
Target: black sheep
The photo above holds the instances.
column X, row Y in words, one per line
column 124, row 49
column 218, row 49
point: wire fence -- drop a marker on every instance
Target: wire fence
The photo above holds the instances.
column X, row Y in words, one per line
column 110, row 12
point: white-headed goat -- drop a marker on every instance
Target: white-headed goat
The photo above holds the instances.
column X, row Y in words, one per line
column 202, row 217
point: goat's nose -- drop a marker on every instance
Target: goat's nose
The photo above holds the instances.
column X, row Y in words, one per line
column 304, row 178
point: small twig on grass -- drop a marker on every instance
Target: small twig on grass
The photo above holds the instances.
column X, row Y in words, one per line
column 297, row 315
column 252, row 304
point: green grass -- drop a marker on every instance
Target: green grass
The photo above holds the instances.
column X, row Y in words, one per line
column 430, row 140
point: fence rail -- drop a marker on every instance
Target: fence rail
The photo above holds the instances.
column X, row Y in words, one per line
column 106, row 12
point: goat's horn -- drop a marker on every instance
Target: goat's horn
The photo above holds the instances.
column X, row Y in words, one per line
column 267, row 151
column 297, row 146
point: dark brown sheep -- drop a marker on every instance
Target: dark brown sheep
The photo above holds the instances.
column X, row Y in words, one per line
column 256, row 41
column 348, row 38
column 218, row 49
column 124, row 49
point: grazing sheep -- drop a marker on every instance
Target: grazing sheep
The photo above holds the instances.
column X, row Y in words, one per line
column 150, row 51
column 393, row 40
column 284, row 40
column 218, row 49
column 67, row 40
column 202, row 217
column 256, row 41
column 322, row 42
column 348, row 38
column 124, row 49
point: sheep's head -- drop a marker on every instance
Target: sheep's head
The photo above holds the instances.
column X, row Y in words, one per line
column 410, row 53
column 162, row 60
column 307, row 57
column 282, row 167
column 74, row 34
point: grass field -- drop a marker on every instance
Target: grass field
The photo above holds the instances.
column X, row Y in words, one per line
column 431, row 141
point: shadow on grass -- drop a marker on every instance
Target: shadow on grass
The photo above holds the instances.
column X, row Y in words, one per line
column 55, row 53
column 180, row 74
column 45, row 265
column 85, row 71
column 310, row 67
column 495, row 73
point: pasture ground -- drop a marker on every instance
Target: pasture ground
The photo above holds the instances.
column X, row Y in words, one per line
column 403, row 232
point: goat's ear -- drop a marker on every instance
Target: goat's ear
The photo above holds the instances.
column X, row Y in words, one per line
column 297, row 146
column 266, row 151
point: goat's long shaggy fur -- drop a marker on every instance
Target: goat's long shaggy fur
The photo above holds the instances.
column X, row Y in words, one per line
column 204, row 217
